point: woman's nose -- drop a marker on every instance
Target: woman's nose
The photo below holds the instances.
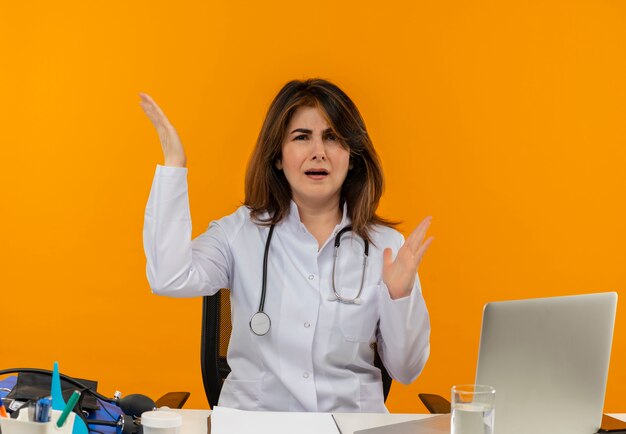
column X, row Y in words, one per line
column 318, row 152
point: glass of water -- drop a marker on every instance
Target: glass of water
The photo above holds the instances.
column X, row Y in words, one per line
column 473, row 409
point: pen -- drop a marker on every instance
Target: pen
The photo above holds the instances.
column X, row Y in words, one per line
column 3, row 411
column 32, row 411
column 44, row 405
column 68, row 408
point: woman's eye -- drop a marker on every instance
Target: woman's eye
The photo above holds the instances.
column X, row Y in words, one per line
column 331, row 137
column 300, row 137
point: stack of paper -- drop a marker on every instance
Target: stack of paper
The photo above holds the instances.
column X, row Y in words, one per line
column 230, row 421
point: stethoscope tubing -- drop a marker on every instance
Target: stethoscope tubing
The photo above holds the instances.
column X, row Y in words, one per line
column 260, row 322
column 339, row 298
column 265, row 255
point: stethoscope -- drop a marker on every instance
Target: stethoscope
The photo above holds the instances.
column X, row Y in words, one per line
column 260, row 322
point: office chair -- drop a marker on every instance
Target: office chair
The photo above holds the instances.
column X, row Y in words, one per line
column 435, row 404
column 216, row 329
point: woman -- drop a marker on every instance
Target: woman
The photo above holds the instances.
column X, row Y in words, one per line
column 313, row 173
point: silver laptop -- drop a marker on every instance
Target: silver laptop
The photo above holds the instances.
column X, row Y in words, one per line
column 548, row 359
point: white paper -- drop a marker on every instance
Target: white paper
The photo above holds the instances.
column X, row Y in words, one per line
column 230, row 421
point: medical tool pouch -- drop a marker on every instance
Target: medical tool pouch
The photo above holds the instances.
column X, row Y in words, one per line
column 31, row 385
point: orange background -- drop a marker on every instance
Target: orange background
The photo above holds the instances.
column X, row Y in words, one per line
column 503, row 120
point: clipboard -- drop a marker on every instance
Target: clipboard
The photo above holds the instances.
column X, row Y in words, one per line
column 432, row 425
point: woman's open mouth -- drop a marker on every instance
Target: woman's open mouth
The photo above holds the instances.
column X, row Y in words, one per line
column 316, row 174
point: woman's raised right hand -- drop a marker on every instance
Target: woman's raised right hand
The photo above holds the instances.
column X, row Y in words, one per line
column 173, row 151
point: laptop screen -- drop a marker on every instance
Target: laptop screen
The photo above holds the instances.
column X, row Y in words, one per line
column 548, row 360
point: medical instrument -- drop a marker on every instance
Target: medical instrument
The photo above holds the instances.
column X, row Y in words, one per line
column 260, row 322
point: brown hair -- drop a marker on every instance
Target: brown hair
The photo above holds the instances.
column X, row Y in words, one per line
column 267, row 189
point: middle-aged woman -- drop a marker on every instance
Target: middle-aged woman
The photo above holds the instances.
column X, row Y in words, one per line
column 313, row 180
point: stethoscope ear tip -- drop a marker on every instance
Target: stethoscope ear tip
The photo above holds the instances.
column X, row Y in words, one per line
column 332, row 297
column 357, row 300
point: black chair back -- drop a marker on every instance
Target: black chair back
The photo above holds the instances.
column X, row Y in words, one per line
column 216, row 329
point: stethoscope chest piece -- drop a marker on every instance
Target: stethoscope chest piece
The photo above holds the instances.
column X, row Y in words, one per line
column 260, row 323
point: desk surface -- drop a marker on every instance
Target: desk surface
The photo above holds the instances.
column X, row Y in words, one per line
column 195, row 421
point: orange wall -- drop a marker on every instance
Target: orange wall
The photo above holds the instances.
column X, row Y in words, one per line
column 503, row 120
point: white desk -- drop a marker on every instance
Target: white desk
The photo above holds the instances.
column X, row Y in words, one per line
column 195, row 421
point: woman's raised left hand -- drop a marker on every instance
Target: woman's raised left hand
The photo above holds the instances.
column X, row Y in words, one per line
column 399, row 274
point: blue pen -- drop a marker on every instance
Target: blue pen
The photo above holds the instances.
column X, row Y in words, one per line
column 44, row 405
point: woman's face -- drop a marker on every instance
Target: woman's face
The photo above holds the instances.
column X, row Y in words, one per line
column 314, row 161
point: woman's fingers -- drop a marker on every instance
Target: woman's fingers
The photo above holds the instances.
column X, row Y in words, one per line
column 414, row 241
column 153, row 111
column 147, row 101
column 387, row 258
column 423, row 248
column 173, row 151
column 399, row 272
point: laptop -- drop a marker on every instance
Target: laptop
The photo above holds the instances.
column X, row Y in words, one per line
column 548, row 359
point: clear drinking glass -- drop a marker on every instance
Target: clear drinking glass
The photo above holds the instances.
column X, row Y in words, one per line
column 473, row 409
